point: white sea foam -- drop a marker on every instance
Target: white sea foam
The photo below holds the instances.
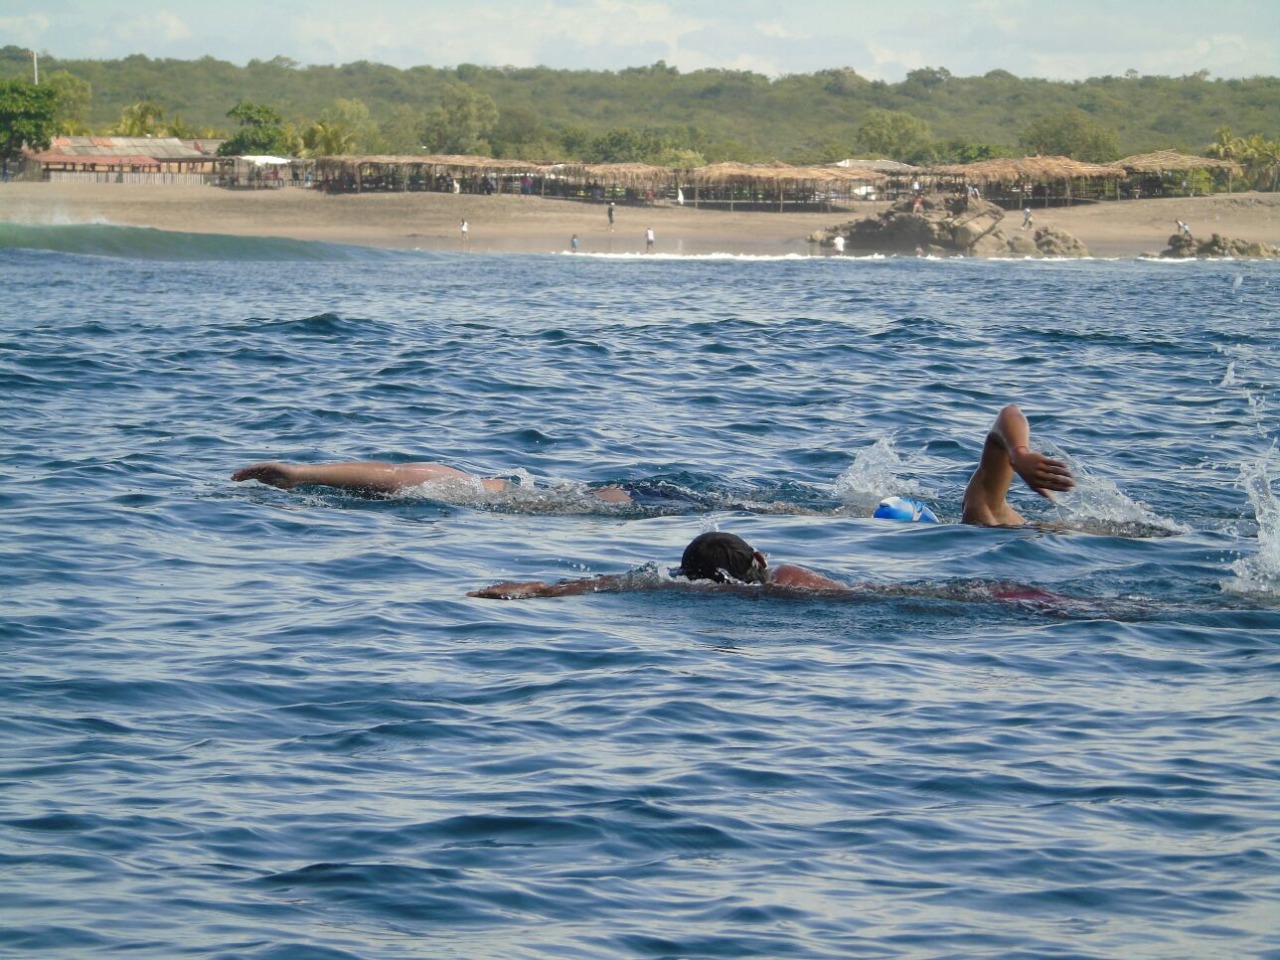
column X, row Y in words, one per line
column 1260, row 573
column 876, row 473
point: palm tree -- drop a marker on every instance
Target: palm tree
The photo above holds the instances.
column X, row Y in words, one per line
column 1227, row 146
column 1263, row 159
column 326, row 138
column 142, row 119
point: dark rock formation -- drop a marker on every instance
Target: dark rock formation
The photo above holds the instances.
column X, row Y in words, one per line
column 1183, row 245
column 954, row 225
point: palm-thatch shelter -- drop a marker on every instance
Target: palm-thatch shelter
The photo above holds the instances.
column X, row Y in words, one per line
column 1157, row 165
column 443, row 173
column 768, row 183
column 1018, row 182
column 612, row 181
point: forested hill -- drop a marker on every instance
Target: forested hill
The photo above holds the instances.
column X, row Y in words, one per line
column 541, row 113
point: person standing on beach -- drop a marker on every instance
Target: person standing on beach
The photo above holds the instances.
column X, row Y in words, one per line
column 1026, row 219
column 609, row 210
column 648, row 240
column 574, row 243
column 464, row 234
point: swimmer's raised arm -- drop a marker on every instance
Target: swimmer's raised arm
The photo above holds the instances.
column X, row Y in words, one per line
column 1006, row 451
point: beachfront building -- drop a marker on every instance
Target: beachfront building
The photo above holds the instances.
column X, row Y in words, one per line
column 155, row 160
column 732, row 186
column 898, row 179
column 775, row 186
column 1017, row 183
column 1167, row 173
column 620, row 182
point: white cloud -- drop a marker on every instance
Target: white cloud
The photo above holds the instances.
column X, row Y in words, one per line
column 154, row 29
column 965, row 36
column 780, row 32
column 27, row 31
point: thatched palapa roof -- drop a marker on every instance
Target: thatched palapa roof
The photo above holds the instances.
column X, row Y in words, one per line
column 731, row 171
column 879, row 166
column 1163, row 160
column 1011, row 169
column 631, row 174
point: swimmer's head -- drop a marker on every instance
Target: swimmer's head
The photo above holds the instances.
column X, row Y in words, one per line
column 904, row 508
column 722, row 557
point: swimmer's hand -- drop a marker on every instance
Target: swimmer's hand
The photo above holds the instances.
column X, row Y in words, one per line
column 1044, row 475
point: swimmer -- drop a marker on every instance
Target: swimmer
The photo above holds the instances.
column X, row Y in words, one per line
column 1007, row 452
column 715, row 557
column 376, row 477
column 727, row 559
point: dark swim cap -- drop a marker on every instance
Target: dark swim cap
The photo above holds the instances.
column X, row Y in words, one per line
column 711, row 556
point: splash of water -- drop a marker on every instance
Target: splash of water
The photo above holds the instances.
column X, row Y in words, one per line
column 1097, row 505
column 1260, row 573
column 876, row 473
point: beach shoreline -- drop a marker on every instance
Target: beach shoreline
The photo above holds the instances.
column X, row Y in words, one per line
column 516, row 224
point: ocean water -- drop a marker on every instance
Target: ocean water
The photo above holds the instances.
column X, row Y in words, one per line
column 240, row 722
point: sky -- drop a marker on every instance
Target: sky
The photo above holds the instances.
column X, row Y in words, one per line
column 1051, row 39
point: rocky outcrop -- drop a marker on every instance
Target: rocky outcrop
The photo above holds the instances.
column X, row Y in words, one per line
column 954, row 225
column 1184, row 246
column 1045, row 242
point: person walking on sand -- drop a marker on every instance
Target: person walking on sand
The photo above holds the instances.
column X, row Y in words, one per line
column 609, row 210
column 648, row 240
column 1026, row 218
column 464, row 234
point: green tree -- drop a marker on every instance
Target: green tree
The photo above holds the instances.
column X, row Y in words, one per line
column 261, row 132
column 462, row 123
column 28, row 118
column 402, row 130
column 624, row 145
column 1227, row 146
column 326, row 138
column 145, row 118
column 1262, row 161
column 895, row 135
column 575, row 141
column 74, row 97
column 518, row 129
column 1070, row 133
column 352, row 116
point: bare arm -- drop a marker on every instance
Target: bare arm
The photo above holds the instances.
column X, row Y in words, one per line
column 368, row 476
column 1007, row 451
column 801, row 578
column 518, row 590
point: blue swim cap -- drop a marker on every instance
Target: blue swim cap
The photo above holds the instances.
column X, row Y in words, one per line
column 901, row 508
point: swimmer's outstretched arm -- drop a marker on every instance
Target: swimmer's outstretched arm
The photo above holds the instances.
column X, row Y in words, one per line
column 374, row 476
column 1007, row 451
column 516, row 590
column 367, row 476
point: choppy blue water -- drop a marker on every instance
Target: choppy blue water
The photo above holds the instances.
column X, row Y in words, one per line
column 238, row 722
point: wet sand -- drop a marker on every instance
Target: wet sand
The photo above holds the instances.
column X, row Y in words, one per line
column 536, row 225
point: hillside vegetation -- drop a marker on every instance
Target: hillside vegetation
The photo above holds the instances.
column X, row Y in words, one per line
column 656, row 113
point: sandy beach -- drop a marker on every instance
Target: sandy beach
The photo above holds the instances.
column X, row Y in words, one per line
column 535, row 225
